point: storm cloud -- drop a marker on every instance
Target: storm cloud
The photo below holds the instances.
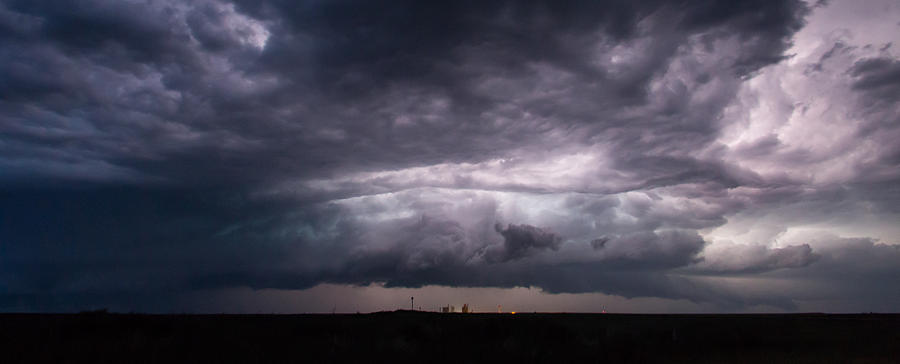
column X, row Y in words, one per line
column 711, row 152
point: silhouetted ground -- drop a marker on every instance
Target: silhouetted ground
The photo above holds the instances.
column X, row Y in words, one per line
column 405, row 336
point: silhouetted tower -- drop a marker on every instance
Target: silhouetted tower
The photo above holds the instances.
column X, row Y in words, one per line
column 411, row 306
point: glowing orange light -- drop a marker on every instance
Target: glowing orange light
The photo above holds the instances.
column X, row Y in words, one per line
column 514, row 312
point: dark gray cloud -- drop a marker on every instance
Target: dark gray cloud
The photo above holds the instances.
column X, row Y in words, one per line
column 878, row 77
column 666, row 249
column 183, row 97
column 521, row 240
column 859, row 270
column 158, row 147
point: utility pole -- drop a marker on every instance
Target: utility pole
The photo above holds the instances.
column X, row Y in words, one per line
column 411, row 305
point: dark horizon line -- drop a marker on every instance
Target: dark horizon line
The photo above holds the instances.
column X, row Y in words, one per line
column 406, row 311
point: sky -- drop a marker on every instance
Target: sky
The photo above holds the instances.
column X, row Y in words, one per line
column 344, row 156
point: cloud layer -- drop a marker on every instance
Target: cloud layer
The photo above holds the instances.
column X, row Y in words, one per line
column 714, row 152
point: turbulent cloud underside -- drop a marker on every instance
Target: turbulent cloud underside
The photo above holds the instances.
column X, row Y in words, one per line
column 735, row 155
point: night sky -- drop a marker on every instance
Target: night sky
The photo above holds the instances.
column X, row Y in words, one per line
column 319, row 156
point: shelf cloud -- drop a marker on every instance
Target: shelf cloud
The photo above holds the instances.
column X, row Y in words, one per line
column 737, row 156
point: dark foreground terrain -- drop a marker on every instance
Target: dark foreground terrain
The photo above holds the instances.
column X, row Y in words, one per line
column 420, row 337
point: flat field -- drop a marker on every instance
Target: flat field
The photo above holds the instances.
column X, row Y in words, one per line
column 423, row 337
